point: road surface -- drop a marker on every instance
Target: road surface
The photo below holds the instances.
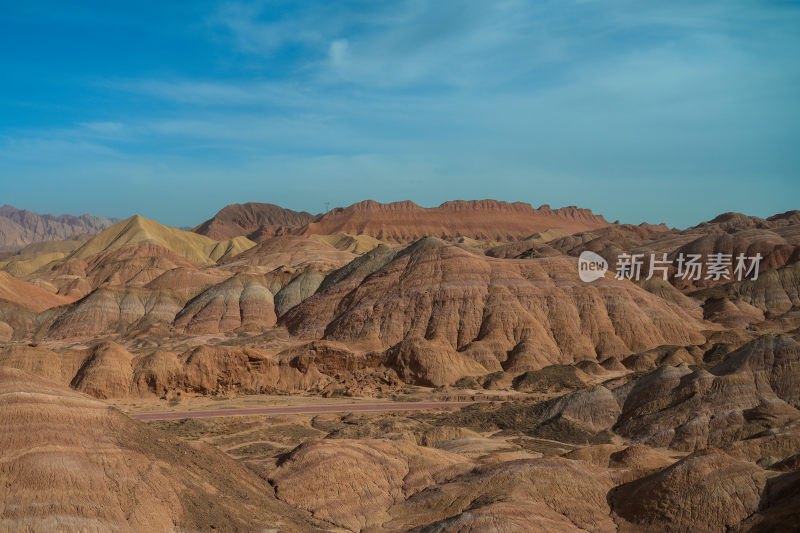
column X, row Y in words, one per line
column 308, row 409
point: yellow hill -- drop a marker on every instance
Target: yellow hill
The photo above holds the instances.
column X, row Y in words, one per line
column 357, row 244
column 38, row 255
column 198, row 249
column 24, row 267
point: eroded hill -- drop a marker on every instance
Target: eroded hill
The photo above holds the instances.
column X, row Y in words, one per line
column 612, row 405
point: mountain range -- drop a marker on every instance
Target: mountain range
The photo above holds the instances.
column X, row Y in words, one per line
column 400, row 222
column 19, row 228
column 661, row 404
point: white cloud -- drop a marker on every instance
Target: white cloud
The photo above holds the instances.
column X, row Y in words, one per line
column 501, row 98
column 338, row 52
column 51, row 146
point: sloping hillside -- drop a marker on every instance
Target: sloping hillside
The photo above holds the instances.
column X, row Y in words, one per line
column 196, row 248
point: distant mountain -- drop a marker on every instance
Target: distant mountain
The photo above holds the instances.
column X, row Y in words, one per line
column 252, row 220
column 401, row 222
column 19, row 228
column 733, row 222
column 490, row 220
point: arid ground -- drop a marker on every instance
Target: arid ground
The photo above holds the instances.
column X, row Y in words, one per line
column 388, row 367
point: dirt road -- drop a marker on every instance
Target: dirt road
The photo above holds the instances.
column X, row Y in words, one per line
column 310, row 409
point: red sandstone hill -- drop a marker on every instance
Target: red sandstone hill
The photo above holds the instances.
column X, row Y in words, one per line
column 72, row 463
column 445, row 312
column 731, row 222
column 27, row 294
column 402, row 222
column 620, row 380
column 477, row 219
column 254, row 220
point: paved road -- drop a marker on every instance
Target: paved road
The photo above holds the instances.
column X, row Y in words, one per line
column 305, row 409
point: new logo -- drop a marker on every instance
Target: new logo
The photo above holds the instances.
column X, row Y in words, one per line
column 591, row 266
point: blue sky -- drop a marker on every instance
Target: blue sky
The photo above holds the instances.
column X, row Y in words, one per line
column 659, row 111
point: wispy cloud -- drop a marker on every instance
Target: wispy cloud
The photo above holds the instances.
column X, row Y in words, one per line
column 425, row 100
column 51, row 147
column 103, row 127
column 475, row 44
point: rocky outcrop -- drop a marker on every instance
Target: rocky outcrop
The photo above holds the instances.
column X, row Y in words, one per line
column 16, row 321
column 6, row 332
column 105, row 372
column 108, row 370
column 778, row 507
column 240, row 302
column 776, row 292
column 135, row 265
column 732, row 313
column 707, row 491
column 113, row 310
column 753, row 390
column 354, row 483
column 774, row 364
column 292, row 252
column 594, row 409
column 297, row 290
column 330, row 358
column 430, row 363
column 580, row 417
column 57, row 367
column 638, row 460
column 219, row 369
column 551, row 494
